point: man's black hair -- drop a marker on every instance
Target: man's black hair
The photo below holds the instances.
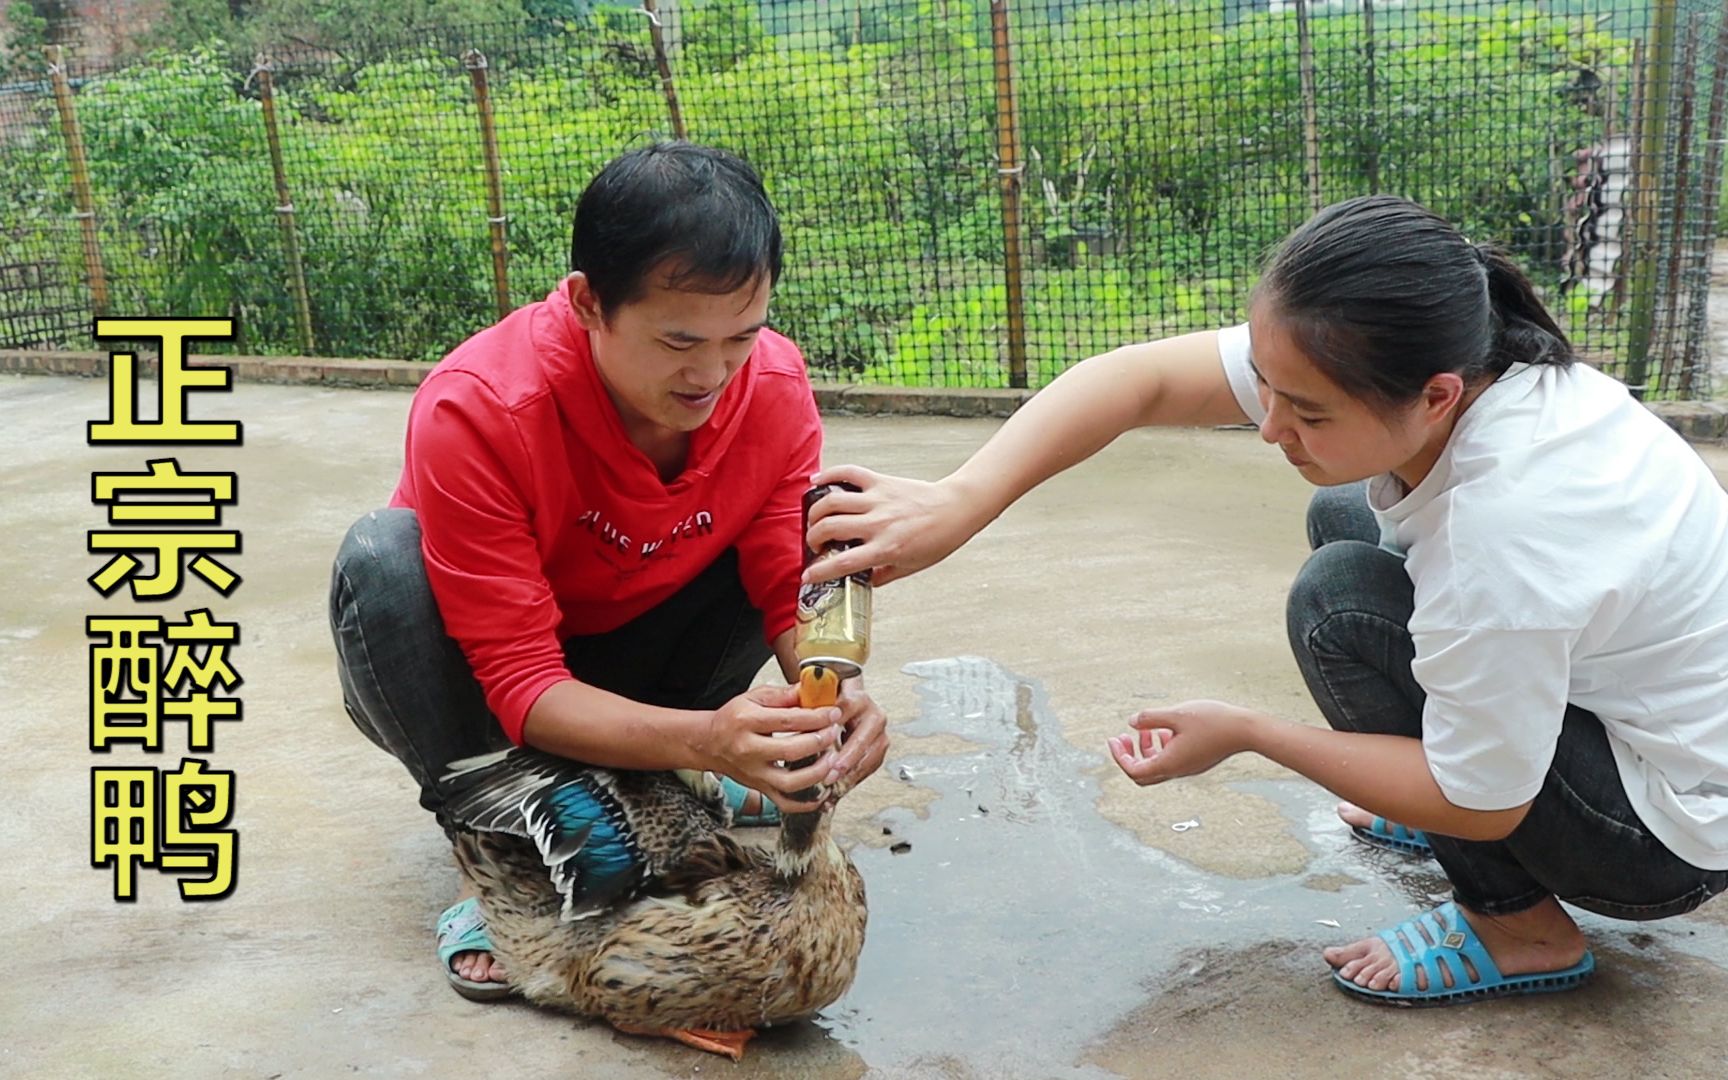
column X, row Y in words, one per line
column 696, row 213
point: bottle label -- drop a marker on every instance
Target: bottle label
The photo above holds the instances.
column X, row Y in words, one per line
column 833, row 616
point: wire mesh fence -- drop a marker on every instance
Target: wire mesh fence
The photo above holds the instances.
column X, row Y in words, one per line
column 974, row 192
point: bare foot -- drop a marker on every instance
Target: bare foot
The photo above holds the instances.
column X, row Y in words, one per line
column 1355, row 815
column 476, row 966
column 1541, row 939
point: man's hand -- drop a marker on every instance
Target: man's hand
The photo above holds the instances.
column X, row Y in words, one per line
column 866, row 742
column 748, row 737
column 1183, row 740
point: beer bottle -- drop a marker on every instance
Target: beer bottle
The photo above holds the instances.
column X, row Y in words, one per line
column 833, row 627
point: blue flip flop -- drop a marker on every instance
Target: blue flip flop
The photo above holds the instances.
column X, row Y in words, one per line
column 1453, row 943
column 463, row 929
column 1395, row 837
column 737, row 794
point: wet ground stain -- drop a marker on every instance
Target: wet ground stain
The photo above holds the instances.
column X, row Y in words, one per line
column 1014, row 928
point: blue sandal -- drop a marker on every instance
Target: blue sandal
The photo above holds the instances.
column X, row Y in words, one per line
column 1456, row 950
column 1395, row 837
column 737, row 795
column 462, row 929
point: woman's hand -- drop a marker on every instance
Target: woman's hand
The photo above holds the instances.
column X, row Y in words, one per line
column 901, row 525
column 1183, row 740
column 748, row 737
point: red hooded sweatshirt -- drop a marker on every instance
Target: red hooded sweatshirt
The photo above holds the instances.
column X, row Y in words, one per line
column 540, row 520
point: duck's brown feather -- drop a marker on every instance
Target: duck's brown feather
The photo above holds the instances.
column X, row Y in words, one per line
column 719, row 938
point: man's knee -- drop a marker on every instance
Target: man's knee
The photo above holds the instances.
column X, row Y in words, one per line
column 379, row 544
column 385, row 625
column 378, row 579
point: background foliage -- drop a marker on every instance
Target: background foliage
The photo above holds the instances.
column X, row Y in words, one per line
column 1164, row 150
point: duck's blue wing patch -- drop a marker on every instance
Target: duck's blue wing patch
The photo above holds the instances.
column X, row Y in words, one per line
column 567, row 809
column 581, row 832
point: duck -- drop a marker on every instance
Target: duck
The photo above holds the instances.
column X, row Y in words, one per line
column 624, row 896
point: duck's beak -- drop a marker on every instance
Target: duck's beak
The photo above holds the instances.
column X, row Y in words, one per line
column 818, row 685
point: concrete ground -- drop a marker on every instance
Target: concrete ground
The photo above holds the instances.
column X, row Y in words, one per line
column 1047, row 920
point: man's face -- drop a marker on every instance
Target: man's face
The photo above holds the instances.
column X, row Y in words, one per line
column 667, row 356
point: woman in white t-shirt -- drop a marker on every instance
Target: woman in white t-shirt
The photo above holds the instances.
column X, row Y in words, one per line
column 1515, row 617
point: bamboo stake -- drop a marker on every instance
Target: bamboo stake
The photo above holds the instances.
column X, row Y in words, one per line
column 81, row 197
column 1696, row 382
column 1630, row 226
column 1664, row 336
column 1011, row 171
column 1660, row 73
column 475, row 61
column 1310, row 107
column 285, row 207
column 656, row 35
column 1373, row 118
column 1599, row 306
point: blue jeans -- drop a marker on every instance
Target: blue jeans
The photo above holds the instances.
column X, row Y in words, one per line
column 1349, row 618
column 409, row 689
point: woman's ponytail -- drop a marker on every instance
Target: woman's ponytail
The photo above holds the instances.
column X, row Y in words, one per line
column 1525, row 331
column 1382, row 294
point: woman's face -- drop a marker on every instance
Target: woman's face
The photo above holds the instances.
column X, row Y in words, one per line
column 1332, row 438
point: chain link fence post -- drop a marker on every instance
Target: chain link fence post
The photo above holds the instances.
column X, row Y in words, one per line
column 1011, row 171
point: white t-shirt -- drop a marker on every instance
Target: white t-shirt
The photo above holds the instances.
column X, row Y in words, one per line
column 1567, row 547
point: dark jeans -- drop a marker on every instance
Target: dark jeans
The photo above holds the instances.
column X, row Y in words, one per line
column 1349, row 618
column 409, row 689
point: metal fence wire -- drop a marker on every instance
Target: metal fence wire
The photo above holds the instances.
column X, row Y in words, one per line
column 975, row 193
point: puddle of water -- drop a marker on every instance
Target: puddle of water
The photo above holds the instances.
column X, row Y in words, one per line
column 1022, row 926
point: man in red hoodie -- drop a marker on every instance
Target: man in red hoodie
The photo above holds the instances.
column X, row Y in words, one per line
column 595, row 544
